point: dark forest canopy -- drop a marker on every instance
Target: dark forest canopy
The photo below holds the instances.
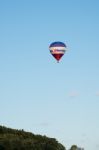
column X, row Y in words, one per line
column 12, row 139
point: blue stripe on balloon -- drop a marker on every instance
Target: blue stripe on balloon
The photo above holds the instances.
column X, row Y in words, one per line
column 57, row 44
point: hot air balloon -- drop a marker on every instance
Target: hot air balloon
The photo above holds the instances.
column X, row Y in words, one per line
column 57, row 49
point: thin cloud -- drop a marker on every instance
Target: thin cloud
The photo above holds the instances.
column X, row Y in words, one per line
column 97, row 146
column 43, row 124
column 97, row 93
column 74, row 94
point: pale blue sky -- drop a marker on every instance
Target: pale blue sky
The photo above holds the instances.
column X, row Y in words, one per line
column 37, row 94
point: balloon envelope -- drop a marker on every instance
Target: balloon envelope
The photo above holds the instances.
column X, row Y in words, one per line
column 57, row 49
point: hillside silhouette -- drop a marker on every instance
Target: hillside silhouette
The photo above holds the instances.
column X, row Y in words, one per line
column 13, row 139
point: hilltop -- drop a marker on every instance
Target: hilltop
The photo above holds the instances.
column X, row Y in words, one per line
column 13, row 139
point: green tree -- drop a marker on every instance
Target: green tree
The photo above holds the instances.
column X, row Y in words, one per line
column 73, row 147
column 12, row 139
column 2, row 147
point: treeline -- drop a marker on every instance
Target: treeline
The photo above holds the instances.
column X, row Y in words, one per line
column 12, row 139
